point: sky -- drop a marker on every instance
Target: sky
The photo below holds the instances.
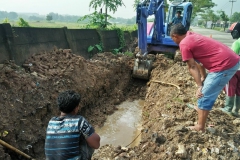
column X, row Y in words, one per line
column 226, row 6
column 69, row 7
column 81, row 7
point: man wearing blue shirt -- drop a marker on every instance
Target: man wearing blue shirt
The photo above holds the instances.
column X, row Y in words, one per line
column 69, row 136
column 178, row 18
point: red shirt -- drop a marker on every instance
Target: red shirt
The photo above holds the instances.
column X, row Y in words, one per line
column 213, row 55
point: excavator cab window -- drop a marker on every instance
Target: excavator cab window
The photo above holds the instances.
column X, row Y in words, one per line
column 173, row 16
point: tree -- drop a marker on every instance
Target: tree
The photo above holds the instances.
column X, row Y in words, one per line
column 55, row 16
column 12, row 15
column 135, row 4
column 22, row 23
column 6, row 20
column 3, row 14
column 209, row 15
column 112, row 5
column 49, row 17
column 95, row 20
column 35, row 18
column 235, row 17
column 224, row 18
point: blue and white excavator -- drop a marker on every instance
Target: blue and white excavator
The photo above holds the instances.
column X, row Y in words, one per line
column 154, row 36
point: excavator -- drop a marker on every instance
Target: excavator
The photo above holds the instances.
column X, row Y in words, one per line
column 155, row 36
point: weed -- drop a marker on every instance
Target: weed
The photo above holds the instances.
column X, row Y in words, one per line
column 179, row 100
column 146, row 114
column 168, row 106
column 23, row 23
column 91, row 48
column 127, row 53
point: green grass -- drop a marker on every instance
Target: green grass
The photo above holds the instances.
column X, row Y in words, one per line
column 127, row 53
column 70, row 25
column 45, row 24
column 218, row 29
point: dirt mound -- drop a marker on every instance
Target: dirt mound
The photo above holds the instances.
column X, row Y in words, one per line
column 28, row 96
column 165, row 117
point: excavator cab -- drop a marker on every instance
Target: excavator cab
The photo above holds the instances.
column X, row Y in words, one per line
column 155, row 36
column 186, row 13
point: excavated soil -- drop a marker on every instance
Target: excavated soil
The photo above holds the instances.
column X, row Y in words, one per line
column 166, row 116
column 28, row 95
column 28, row 101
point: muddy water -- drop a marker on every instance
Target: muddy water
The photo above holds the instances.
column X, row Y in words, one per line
column 122, row 127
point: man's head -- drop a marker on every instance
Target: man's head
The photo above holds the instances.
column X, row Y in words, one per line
column 178, row 32
column 67, row 101
column 235, row 30
column 178, row 13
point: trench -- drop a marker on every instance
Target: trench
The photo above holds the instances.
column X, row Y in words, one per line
column 124, row 126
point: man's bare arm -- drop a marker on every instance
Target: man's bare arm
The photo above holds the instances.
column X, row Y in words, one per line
column 194, row 71
column 202, row 71
column 94, row 141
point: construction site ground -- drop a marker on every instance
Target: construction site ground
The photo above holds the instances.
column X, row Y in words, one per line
column 28, row 100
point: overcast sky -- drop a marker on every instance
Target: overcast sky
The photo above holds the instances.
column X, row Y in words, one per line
column 70, row 7
column 226, row 6
column 80, row 7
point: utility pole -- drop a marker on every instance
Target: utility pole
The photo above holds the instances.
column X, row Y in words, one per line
column 232, row 5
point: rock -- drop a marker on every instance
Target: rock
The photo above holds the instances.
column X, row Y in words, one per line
column 1, row 66
column 181, row 152
column 211, row 130
column 236, row 121
column 124, row 149
column 132, row 153
column 215, row 150
column 189, row 123
column 181, row 129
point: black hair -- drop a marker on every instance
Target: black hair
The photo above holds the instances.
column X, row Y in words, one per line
column 67, row 101
column 178, row 29
column 236, row 31
column 180, row 12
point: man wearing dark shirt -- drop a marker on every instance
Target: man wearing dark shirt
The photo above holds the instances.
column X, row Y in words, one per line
column 178, row 18
column 70, row 136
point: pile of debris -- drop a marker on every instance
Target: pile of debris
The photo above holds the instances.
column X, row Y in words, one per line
column 166, row 117
column 28, row 94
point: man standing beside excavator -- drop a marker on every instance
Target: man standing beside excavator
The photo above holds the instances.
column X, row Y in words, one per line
column 216, row 57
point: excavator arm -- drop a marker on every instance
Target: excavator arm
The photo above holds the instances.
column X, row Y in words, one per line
column 142, row 66
column 144, row 10
column 157, row 38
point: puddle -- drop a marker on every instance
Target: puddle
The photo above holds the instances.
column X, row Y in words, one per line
column 122, row 127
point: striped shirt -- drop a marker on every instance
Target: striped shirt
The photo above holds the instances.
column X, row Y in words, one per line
column 63, row 137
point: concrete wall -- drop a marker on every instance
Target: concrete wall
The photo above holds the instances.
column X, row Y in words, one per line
column 4, row 49
column 81, row 39
column 18, row 43
column 110, row 40
column 34, row 40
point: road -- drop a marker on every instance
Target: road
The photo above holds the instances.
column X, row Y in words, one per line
column 223, row 37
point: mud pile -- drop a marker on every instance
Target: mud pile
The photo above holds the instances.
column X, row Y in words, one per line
column 28, row 95
column 166, row 116
column 28, row 100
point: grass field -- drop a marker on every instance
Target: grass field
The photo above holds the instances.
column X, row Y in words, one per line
column 45, row 24
column 70, row 25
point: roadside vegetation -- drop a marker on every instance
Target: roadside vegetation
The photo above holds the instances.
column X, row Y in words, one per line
column 218, row 20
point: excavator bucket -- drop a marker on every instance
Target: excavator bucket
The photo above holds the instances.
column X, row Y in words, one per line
column 142, row 68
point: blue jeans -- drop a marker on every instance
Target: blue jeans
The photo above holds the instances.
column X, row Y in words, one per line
column 214, row 83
